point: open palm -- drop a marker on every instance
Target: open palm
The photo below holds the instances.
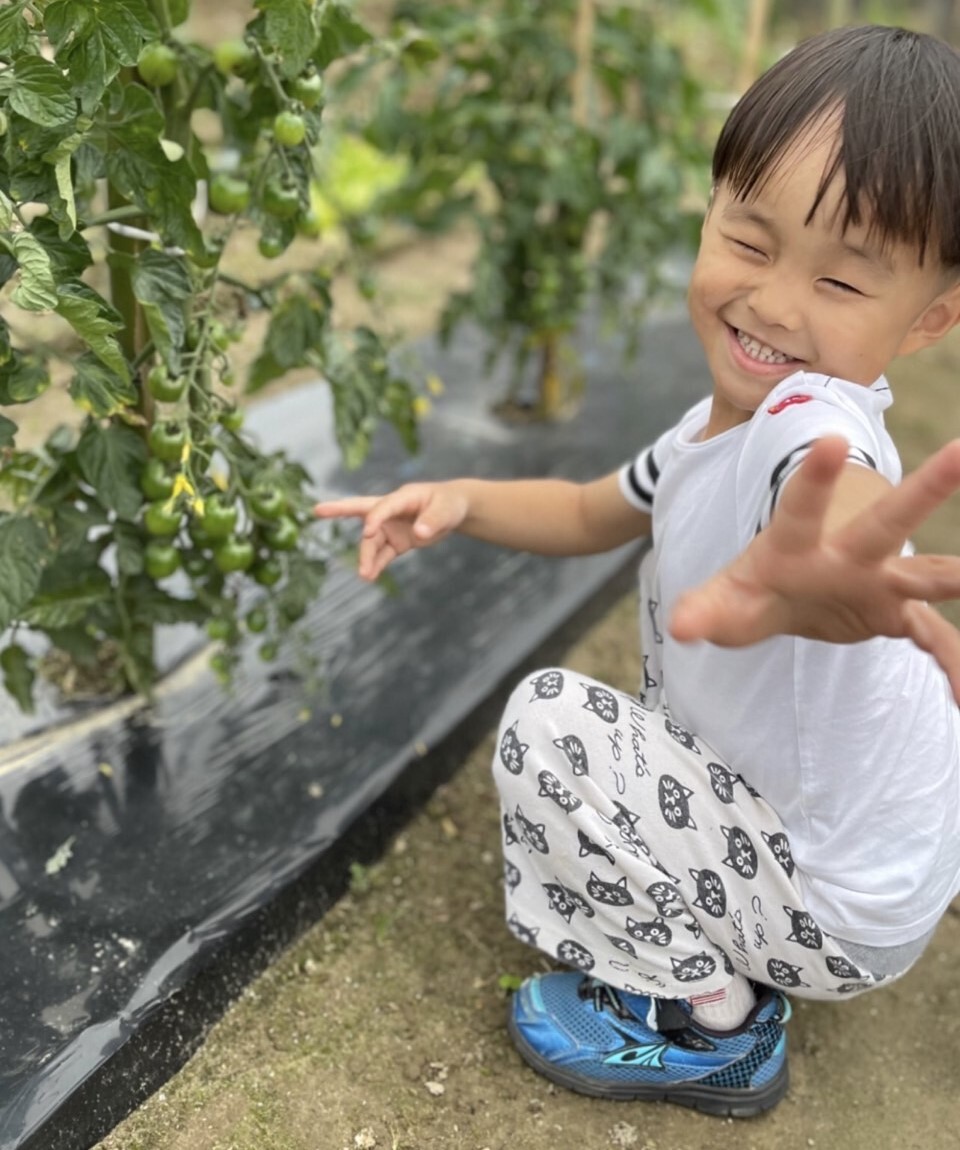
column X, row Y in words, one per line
column 842, row 586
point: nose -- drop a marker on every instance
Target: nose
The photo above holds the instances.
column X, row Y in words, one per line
column 776, row 302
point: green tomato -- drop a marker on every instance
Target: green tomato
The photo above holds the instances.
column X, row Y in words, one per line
column 158, row 65
column 196, row 565
column 156, row 482
column 231, row 418
column 228, row 194
column 233, row 554
column 160, row 559
column 268, row 651
column 257, row 620
column 267, row 502
column 308, row 225
column 289, row 129
column 282, row 201
column 234, row 57
column 270, row 247
column 167, row 440
column 163, row 387
column 268, row 572
column 160, row 518
column 219, row 517
column 220, row 665
column 283, row 535
column 199, row 534
column 309, row 89
column 219, row 629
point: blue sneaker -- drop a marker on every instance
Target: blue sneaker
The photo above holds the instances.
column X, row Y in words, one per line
column 588, row 1037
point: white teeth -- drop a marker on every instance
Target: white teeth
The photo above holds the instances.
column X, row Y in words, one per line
column 760, row 351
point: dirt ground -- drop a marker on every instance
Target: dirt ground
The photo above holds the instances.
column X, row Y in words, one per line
column 382, row 1028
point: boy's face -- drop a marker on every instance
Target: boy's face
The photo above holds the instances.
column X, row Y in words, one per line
column 771, row 295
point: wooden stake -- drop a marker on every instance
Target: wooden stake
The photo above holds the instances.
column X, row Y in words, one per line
column 583, row 48
column 756, row 30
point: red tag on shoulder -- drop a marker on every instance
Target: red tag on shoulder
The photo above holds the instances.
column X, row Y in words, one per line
column 789, row 401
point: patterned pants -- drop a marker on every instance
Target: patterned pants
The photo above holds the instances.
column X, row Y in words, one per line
column 634, row 853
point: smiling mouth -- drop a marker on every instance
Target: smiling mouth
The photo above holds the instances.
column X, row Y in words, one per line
column 761, row 352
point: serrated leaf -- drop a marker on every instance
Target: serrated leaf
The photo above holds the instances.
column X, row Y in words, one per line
column 99, row 390
column 62, row 160
column 68, row 606
column 23, row 551
column 72, row 526
column 340, row 34
column 14, row 33
column 18, row 676
column 41, row 93
column 37, row 290
column 92, row 318
column 294, row 337
column 22, row 378
column 111, row 459
column 150, row 605
column 8, row 431
column 162, row 286
column 70, row 256
column 6, row 212
column 290, row 28
column 129, row 549
column 96, row 38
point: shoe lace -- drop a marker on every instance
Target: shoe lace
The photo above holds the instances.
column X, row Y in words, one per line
column 602, row 997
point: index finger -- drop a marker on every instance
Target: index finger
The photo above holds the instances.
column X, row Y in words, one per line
column 354, row 507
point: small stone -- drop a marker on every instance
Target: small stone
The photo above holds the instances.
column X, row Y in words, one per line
column 365, row 1139
column 435, row 1088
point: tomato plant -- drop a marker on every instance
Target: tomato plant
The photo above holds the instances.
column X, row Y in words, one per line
column 569, row 135
column 159, row 482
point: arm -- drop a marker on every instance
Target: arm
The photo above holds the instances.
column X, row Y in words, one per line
column 829, row 565
column 546, row 516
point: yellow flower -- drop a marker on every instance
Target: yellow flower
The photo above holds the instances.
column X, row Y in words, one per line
column 182, row 486
column 435, row 385
column 422, row 406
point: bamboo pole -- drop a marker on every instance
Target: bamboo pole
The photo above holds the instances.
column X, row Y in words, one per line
column 583, row 49
column 756, row 30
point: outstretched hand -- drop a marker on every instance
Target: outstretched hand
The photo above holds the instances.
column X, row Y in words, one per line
column 415, row 515
column 842, row 586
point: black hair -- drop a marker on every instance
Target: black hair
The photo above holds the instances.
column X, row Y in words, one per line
column 897, row 97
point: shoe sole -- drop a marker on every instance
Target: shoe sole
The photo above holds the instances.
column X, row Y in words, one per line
column 715, row 1100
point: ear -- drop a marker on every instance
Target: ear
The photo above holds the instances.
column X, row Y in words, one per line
column 937, row 319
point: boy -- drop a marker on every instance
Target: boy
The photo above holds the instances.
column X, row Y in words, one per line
column 789, row 649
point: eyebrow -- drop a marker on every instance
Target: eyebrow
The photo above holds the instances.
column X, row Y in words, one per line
column 745, row 213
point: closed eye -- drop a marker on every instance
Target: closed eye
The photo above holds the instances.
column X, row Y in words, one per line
column 744, row 246
column 844, row 287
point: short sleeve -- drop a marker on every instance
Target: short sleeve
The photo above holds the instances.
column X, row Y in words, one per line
column 638, row 479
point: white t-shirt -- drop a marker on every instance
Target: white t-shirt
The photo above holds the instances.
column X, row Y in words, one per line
column 857, row 747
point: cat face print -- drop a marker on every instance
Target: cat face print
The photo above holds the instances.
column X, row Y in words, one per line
column 842, row 968
column 656, row 931
column 511, row 876
column 674, row 802
column 694, row 968
column 681, row 735
column 722, row 781
column 566, row 902
column 527, row 934
column 551, row 788
column 602, row 703
column 589, row 847
column 711, row 894
column 575, row 752
column 609, row 893
column 780, row 845
column 741, row 854
column 509, row 832
column 548, row 685
column 805, row 931
column 623, row 944
column 667, row 897
column 534, row 835
column 784, row 973
column 512, row 750
column 575, row 954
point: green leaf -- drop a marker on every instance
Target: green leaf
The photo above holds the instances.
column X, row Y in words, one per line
column 96, row 38
column 18, row 676
column 140, row 171
column 23, row 551
column 37, row 290
column 69, row 256
column 22, row 378
column 100, row 390
column 340, row 34
column 6, row 212
column 67, row 606
column 294, row 339
column 95, row 321
column 290, row 27
column 61, row 159
column 152, row 606
column 72, row 525
column 8, row 431
column 161, row 283
column 14, row 33
column 41, row 93
column 111, row 459
column 129, row 549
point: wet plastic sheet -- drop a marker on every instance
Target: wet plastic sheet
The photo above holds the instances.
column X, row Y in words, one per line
column 134, row 844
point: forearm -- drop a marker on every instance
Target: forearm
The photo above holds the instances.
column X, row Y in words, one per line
column 550, row 516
